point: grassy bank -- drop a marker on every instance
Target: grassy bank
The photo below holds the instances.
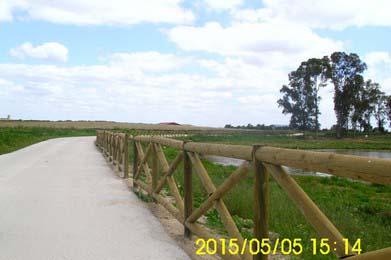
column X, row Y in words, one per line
column 12, row 139
column 376, row 142
column 358, row 210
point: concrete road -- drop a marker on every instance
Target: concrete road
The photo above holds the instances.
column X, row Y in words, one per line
column 60, row 200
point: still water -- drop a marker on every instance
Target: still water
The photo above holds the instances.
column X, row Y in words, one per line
column 385, row 154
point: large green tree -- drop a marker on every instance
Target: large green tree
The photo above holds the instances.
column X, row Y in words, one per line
column 346, row 76
column 317, row 73
column 364, row 105
column 299, row 99
column 380, row 111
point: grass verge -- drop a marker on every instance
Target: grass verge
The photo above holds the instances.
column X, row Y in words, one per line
column 357, row 209
column 14, row 138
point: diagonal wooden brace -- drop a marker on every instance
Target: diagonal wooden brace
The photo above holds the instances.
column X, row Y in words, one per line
column 170, row 178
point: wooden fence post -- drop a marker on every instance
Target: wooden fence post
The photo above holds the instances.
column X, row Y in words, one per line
column 107, row 145
column 126, row 156
column 111, row 147
column 155, row 167
column 135, row 162
column 114, row 147
column 188, row 190
column 261, row 202
column 104, row 142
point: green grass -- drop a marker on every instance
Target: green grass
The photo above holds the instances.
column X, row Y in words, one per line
column 376, row 142
column 358, row 210
column 12, row 139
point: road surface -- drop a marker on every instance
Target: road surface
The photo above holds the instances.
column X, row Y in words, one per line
column 59, row 199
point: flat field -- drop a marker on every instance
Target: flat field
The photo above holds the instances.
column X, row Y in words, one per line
column 324, row 141
column 97, row 125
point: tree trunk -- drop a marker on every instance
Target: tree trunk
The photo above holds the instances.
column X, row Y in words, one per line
column 316, row 119
column 338, row 129
column 316, row 109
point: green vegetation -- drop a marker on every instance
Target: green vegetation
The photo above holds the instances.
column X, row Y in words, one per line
column 324, row 141
column 12, row 139
column 358, row 210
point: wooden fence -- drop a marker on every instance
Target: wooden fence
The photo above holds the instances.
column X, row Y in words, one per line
column 263, row 160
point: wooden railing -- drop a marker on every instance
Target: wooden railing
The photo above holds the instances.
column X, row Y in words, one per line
column 263, row 160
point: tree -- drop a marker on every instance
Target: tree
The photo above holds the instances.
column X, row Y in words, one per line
column 380, row 111
column 346, row 75
column 250, row 126
column 364, row 105
column 317, row 73
column 388, row 107
column 299, row 99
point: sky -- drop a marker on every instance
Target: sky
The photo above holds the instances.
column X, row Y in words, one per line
column 202, row 62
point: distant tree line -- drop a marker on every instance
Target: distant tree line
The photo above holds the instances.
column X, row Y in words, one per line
column 356, row 100
column 258, row 127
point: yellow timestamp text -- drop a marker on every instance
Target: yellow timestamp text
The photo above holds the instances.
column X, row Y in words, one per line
column 265, row 246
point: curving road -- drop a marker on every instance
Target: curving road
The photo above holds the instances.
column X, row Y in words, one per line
column 59, row 199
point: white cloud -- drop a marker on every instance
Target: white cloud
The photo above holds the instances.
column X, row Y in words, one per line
column 252, row 15
column 231, row 91
column 372, row 58
column 258, row 49
column 334, row 14
column 259, row 108
column 148, row 61
column 257, row 100
column 5, row 11
column 9, row 86
column 243, row 76
column 326, row 106
column 98, row 12
column 111, row 92
column 379, row 68
column 115, row 92
column 258, row 58
column 51, row 51
column 220, row 5
column 260, row 43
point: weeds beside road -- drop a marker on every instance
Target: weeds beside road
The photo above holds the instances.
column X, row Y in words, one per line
column 357, row 209
column 12, row 139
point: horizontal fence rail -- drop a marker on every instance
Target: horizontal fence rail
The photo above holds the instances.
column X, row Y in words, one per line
column 151, row 172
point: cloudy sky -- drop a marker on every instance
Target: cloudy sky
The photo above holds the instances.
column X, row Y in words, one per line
column 202, row 62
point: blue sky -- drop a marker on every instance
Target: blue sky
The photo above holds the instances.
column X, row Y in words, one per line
column 195, row 62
